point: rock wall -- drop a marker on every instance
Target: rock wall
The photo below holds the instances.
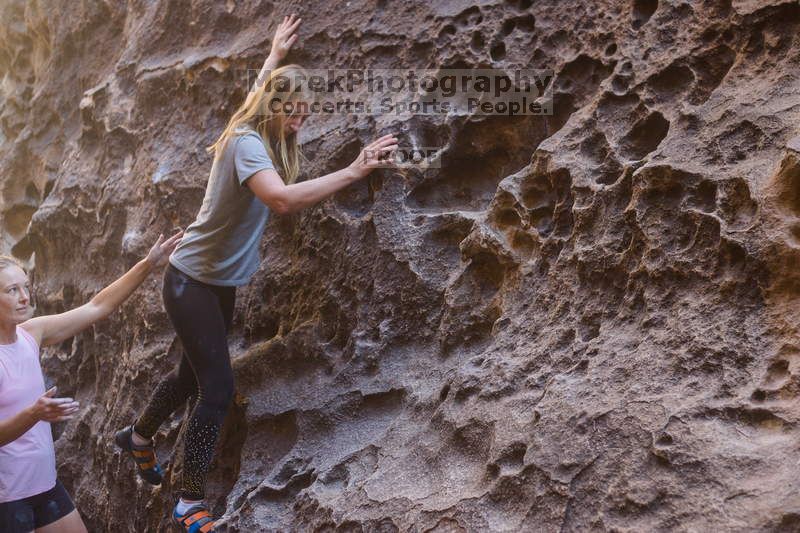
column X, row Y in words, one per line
column 586, row 321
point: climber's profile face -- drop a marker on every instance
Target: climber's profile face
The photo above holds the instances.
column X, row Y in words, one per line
column 293, row 123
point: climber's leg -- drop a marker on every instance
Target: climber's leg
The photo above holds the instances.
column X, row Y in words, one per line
column 201, row 315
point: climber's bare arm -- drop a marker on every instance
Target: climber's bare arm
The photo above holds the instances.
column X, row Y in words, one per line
column 268, row 186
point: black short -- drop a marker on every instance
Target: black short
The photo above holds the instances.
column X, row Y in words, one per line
column 27, row 514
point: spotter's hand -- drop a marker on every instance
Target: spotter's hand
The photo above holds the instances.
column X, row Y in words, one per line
column 162, row 249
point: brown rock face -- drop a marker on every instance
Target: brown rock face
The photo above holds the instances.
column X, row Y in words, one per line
column 586, row 321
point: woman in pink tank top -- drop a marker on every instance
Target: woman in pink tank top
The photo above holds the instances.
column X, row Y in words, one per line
column 31, row 497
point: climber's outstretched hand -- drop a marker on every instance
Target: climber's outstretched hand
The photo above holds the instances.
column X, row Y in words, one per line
column 285, row 37
column 376, row 154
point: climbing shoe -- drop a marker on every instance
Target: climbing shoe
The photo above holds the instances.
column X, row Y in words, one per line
column 145, row 456
column 196, row 519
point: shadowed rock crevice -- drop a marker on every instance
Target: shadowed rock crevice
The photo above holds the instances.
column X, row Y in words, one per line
column 641, row 12
column 710, row 69
column 481, row 152
column 645, row 136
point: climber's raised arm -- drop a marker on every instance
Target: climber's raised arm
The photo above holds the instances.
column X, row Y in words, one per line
column 283, row 40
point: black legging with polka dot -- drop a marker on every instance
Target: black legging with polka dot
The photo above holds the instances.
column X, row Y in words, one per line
column 201, row 315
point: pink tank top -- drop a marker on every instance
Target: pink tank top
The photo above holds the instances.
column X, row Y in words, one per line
column 27, row 465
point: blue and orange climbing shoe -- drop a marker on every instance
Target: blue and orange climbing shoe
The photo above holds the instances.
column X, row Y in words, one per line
column 196, row 519
column 145, row 456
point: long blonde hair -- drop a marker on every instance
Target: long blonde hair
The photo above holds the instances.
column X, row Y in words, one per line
column 284, row 88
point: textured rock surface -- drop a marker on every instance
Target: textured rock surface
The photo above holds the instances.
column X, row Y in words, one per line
column 581, row 322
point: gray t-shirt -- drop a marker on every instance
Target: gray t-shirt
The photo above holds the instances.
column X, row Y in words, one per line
column 221, row 246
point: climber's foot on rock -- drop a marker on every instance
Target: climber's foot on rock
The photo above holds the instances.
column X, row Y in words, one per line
column 195, row 519
column 144, row 455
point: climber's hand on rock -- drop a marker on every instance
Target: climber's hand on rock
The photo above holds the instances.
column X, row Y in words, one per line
column 376, row 154
column 285, row 37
